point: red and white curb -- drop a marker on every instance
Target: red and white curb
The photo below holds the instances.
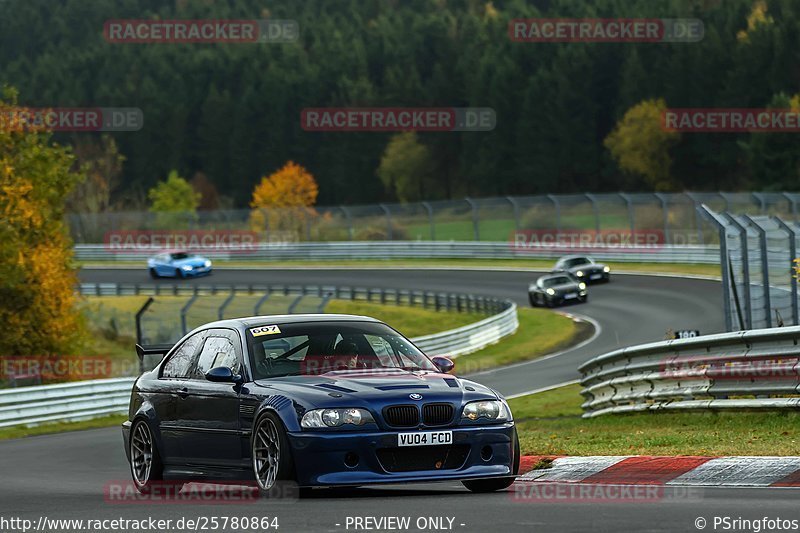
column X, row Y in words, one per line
column 653, row 470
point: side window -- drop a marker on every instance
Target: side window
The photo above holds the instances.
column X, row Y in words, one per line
column 180, row 362
column 217, row 351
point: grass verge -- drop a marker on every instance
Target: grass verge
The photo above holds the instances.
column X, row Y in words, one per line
column 410, row 321
column 550, row 424
column 540, row 332
column 61, row 427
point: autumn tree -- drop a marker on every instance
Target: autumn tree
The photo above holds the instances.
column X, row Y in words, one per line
column 37, row 276
column 405, row 167
column 640, row 144
column 283, row 200
column 174, row 202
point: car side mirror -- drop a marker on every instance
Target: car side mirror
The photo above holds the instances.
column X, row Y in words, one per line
column 444, row 364
column 223, row 374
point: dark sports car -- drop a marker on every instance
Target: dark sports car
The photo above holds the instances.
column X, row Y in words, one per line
column 320, row 400
column 557, row 289
column 584, row 268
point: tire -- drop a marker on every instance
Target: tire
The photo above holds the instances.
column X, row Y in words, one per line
column 178, row 273
column 481, row 486
column 584, row 299
column 153, row 273
column 269, row 437
column 549, row 302
column 532, row 299
column 143, row 451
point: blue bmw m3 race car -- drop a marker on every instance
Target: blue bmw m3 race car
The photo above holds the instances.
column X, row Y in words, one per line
column 178, row 265
column 316, row 400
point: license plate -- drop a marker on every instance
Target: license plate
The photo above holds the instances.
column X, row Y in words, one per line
column 595, row 276
column 570, row 295
column 425, row 438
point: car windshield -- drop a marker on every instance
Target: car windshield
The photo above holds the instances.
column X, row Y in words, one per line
column 552, row 282
column 575, row 261
column 319, row 348
column 180, row 255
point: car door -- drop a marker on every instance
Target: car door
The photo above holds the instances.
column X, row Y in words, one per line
column 208, row 412
column 174, row 374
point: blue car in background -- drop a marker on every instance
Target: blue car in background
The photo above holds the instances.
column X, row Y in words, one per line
column 178, row 265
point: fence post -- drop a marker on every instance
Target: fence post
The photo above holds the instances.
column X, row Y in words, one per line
column 429, row 209
column 475, row 222
column 748, row 316
column 792, row 203
column 703, row 210
column 139, row 314
column 184, row 310
column 792, row 256
column 389, row 232
column 762, row 244
column 697, row 216
column 665, row 210
column 349, row 219
column 557, row 206
column 228, row 300
column 593, row 199
column 294, row 304
column 515, row 207
column 261, row 302
column 631, row 218
column 762, row 203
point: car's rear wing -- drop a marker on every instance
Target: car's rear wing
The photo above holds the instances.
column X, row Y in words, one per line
column 151, row 355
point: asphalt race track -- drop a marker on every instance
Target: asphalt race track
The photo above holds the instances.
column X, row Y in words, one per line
column 632, row 309
column 64, row 476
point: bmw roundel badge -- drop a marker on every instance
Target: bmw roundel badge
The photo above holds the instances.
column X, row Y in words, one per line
column 415, row 396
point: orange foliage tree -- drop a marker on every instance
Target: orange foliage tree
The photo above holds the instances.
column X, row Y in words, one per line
column 283, row 200
column 37, row 277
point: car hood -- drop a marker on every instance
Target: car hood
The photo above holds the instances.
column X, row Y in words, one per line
column 194, row 261
column 366, row 387
column 565, row 287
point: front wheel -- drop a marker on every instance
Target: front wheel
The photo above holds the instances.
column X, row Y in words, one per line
column 153, row 273
column 532, row 300
column 272, row 459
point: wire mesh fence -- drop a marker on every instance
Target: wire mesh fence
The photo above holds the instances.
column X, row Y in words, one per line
column 496, row 219
column 759, row 268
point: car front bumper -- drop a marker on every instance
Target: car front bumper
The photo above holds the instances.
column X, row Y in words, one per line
column 197, row 271
column 476, row 452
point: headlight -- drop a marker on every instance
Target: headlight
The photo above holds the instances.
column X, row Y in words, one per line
column 582, row 286
column 331, row 418
column 207, row 263
column 489, row 409
column 551, row 292
column 186, row 267
column 579, row 273
column 606, row 269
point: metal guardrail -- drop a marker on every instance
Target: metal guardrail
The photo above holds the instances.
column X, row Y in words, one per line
column 64, row 402
column 88, row 399
column 756, row 369
column 344, row 250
